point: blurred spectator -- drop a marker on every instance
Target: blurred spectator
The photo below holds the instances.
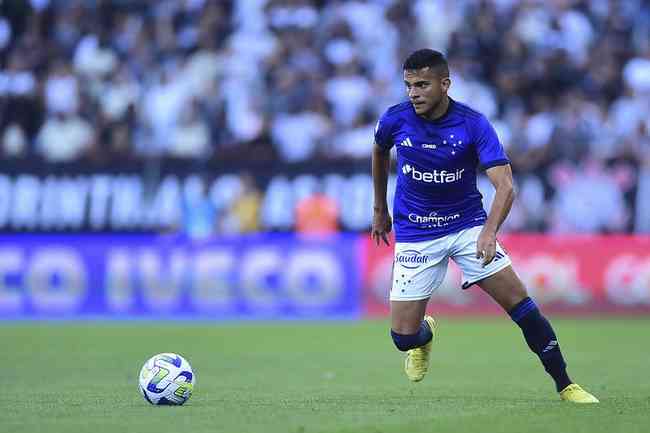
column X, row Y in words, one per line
column 62, row 90
column 298, row 134
column 191, row 137
column 354, row 142
column 118, row 94
column 65, row 137
column 348, row 92
column 303, row 82
column 162, row 106
column 317, row 214
column 14, row 141
column 636, row 74
column 588, row 201
column 199, row 216
column 243, row 215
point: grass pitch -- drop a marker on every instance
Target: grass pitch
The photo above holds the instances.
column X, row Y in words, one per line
column 301, row 377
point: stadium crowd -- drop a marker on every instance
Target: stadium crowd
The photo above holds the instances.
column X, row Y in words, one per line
column 565, row 82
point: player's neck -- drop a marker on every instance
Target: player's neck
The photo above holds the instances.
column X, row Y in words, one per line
column 439, row 111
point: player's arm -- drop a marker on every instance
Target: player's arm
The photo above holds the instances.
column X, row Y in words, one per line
column 381, row 221
column 501, row 178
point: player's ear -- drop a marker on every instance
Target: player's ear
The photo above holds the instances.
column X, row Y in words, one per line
column 445, row 83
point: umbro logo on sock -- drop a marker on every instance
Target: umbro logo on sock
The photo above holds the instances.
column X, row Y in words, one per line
column 406, row 142
column 551, row 345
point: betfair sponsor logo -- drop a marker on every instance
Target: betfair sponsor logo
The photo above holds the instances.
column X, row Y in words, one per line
column 435, row 176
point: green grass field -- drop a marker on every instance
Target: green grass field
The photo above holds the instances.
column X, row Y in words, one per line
column 320, row 377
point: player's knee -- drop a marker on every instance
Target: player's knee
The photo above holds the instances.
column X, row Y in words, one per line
column 517, row 293
column 514, row 293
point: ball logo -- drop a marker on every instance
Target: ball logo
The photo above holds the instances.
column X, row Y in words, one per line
column 411, row 259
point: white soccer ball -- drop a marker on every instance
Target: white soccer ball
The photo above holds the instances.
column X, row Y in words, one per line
column 167, row 379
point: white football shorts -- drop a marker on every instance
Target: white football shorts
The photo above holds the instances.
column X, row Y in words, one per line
column 420, row 267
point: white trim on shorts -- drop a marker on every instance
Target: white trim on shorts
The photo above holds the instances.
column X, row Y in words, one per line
column 467, row 284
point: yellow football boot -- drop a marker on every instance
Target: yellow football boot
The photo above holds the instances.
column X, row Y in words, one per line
column 416, row 363
column 574, row 393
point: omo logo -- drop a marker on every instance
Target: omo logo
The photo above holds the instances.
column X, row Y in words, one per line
column 435, row 176
column 411, row 259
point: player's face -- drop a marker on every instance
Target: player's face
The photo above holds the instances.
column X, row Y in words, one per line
column 425, row 88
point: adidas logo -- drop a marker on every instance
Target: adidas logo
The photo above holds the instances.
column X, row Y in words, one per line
column 406, row 142
column 551, row 345
column 498, row 256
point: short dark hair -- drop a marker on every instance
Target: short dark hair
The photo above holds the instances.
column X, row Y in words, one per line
column 427, row 58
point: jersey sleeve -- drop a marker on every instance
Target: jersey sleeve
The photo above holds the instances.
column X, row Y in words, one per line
column 489, row 148
column 383, row 132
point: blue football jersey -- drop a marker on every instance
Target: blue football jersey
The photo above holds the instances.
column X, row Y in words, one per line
column 437, row 163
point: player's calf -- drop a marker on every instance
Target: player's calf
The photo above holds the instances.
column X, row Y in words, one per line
column 541, row 339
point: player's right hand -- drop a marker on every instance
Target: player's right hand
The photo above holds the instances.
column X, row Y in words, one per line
column 382, row 224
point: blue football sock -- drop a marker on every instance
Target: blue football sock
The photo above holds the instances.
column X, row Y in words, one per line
column 406, row 342
column 542, row 340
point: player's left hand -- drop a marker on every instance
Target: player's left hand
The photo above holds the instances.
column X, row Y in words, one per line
column 382, row 224
column 486, row 246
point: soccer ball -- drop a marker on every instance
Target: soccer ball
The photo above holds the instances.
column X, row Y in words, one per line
column 167, row 379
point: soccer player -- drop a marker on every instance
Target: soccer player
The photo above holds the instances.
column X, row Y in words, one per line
column 439, row 215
